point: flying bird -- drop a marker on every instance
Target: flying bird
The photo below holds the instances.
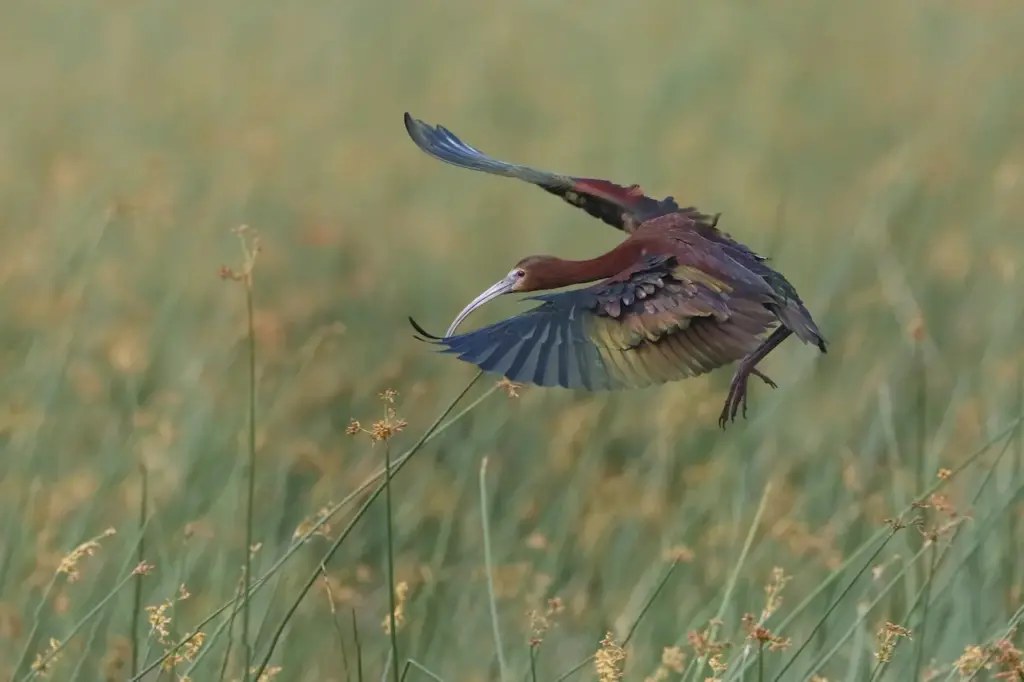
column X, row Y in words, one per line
column 677, row 298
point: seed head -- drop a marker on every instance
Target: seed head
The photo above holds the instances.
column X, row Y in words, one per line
column 69, row 564
column 673, row 658
column 385, row 428
column 144, row 568
column 401, row 592
column 888, row 637
column 972, row 661
column 319, row 522
column 541, row 622
column 510, row 387
column 773, row 592
column 186, row 653
column 896, row 524
column 718, row 666
column 159, row 621
column 1009, row 658
column 43, row 664
column 609, row 659
column 763, row 636
column 704, row 643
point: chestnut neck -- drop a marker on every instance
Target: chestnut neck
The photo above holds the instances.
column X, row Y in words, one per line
column 558, row 272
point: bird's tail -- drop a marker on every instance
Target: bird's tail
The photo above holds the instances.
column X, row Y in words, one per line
column 795, row 316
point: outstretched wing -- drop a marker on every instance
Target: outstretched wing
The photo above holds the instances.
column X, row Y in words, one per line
column 660, row 323
column 621, row 207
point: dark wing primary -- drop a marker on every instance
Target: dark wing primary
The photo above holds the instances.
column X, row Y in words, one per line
column 661, row 323
column 621, row 207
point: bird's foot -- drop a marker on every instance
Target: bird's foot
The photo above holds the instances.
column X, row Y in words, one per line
column 737, row 397
column 764, row 377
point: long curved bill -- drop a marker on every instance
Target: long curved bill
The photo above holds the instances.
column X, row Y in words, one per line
column 494, row 291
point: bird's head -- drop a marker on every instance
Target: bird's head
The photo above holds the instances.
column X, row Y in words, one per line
column 529, row 274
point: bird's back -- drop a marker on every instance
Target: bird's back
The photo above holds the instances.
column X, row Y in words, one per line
column 699, row 241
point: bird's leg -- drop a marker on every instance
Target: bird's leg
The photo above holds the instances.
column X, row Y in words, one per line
column 764, row 377
column 747, row 367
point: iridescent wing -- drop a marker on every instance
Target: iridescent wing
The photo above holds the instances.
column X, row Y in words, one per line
column 621, row 207
column 660, row 322
column 708, row 249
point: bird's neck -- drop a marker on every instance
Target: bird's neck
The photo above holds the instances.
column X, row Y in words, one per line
column 563, row 273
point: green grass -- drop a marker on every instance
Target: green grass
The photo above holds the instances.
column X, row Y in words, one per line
column 874, row 150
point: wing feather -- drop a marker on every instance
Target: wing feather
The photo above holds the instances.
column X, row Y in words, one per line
column 592, row 372
column 662, row 360
column 521, row 364
column 688, row 353
column 562, row 348
column 592, row 338
column 707, row 345
column 619, row 206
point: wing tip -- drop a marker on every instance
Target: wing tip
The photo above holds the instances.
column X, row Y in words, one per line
column 439, row 142
column 418, row 130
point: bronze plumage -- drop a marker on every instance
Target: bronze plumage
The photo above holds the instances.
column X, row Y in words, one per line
column 677, row 298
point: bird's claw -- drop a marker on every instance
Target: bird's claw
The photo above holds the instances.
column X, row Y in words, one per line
column 737, row 398
column 764, row 377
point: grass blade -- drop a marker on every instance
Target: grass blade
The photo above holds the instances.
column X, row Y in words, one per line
column 492, row 601
column 141, row 557
column 389, row 530
column 423, row 669
column 228, row 640
column 359, row 647
column 249, row 252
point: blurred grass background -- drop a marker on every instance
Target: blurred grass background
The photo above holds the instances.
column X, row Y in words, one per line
column 874, row 150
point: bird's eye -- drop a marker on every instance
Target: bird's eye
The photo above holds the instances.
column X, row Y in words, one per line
column 520, row 273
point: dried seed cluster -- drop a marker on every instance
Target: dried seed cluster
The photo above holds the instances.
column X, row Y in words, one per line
column 541, row 622
column 609, row 660
column 888, row 636
column 383, row 429
column 159, row 624
column 69, row 564
column 401, row 592
column 1003, row 657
